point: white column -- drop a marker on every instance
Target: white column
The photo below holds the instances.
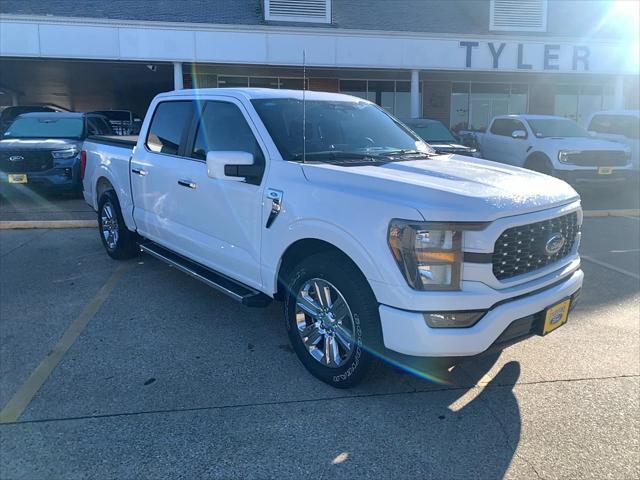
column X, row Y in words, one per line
column 415, row 94
column 177, row 76
column 618, row 99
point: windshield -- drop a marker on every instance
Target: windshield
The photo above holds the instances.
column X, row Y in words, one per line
column 433, row 132
column 334, row 127
column 556, row 127
column 45, row 127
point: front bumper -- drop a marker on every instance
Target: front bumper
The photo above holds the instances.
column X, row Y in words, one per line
column 62, row 177
column 593, row 178
column 407, row 333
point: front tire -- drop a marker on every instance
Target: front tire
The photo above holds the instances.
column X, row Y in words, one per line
column 331, row 314
column 119, row 242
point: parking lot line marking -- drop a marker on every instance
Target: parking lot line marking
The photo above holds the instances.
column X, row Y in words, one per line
column 22, row 224
column 610, row 267
column 21, row 399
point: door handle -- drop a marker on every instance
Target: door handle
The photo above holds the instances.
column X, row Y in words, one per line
column 187, row 183
column 139, row 171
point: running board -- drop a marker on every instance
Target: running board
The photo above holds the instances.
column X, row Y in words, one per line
column 238, row 291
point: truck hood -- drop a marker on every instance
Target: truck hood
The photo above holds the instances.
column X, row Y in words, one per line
column 37, row 143
column 582, row 143
column 449, row 188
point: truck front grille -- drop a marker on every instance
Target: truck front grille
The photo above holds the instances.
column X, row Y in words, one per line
column 598, row 158
column 25, row 161
column 527, row 248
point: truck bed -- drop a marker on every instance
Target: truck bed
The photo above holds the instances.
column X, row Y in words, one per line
column 115, row 140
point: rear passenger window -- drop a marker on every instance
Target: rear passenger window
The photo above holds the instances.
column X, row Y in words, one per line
column 224, row 128
column 168, row 125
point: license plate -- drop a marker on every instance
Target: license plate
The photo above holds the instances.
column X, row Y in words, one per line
column 556, row 316
column 17, row 178
column 605, row 170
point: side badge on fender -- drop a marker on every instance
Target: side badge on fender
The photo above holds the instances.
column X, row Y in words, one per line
column 276, row 204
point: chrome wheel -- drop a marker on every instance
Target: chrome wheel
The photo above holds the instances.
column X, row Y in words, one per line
column 109, row 224
column 325, row 322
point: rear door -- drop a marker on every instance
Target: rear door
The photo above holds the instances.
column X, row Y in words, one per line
column 155, row 168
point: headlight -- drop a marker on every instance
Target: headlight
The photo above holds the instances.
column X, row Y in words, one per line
column 66, row 153
column 564, row 155
column 429, row 255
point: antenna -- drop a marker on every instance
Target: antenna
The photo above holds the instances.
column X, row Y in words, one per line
column 304, row 106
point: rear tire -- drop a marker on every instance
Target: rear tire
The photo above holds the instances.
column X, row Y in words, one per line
column 331, row 314
column 119, row 242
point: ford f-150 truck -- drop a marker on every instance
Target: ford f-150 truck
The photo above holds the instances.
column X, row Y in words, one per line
column 555, row 146
column 377, row 246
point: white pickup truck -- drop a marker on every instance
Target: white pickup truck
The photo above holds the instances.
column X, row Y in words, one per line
column 377, row 246
column 555, row 146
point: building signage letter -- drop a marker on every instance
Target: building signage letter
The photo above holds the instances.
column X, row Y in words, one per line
column 496, row 54
column 549, row 56
column 469, row 46
column 581, row 54
column 521, row 64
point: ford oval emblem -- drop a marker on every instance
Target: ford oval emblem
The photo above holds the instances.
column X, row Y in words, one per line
column 554, row 244
column 16, row 158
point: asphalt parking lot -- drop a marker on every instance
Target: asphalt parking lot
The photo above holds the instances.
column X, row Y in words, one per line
column 161, row 377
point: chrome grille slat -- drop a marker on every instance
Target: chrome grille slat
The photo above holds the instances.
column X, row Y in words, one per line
column 598, row 158
column 521, row 249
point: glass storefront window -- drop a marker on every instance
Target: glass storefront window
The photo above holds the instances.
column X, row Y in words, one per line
column 608, row 97
column 382, row 92
column 487, row 101
column 402, row 107
column 357, row 88
column 394, row 96
column 590, row 101
column 264, row 82
column 519, row 98
column 566, row 101
column 459, row 116
column 226, row 81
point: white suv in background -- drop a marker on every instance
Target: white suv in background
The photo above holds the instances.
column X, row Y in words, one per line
column 555, row 146
column 622, row 126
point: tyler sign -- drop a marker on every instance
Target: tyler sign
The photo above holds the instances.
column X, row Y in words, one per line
column 521, row 56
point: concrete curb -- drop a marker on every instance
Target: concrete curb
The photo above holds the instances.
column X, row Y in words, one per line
column 612, row 213
column 27, row 224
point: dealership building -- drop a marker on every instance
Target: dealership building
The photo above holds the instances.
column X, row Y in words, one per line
column 459, row 61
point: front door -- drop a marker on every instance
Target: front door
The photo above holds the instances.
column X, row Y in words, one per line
column 221, row 218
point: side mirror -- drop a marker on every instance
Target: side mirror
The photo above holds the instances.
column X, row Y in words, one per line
column 519, row 134
column 230, row 165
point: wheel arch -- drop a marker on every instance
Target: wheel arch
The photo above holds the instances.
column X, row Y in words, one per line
column 304, row 248
column 536, row 159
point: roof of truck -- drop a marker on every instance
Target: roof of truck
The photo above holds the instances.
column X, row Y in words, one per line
column 261, row 93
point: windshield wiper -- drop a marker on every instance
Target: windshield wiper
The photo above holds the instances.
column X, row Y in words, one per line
column 394, row 153
column 339, row 155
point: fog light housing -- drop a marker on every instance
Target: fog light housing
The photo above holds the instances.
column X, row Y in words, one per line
column 453, row 319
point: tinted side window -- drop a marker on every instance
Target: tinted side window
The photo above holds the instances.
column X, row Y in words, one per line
column 506, row 126
column 224, row 128
column 168, row 125
column 501, row 127
column 600, row 124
